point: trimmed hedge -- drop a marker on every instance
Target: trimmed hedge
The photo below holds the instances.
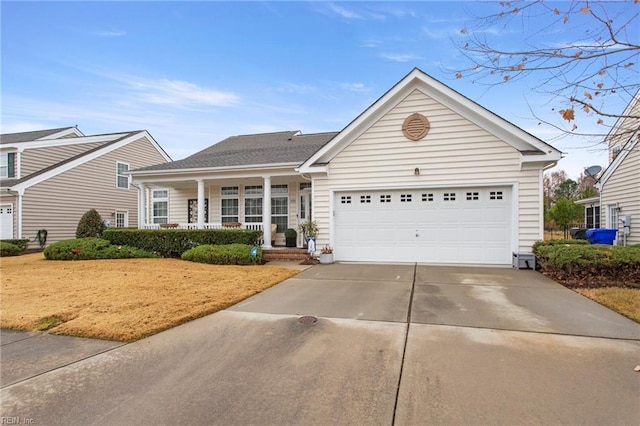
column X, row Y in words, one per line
column 92, row 248
column 231, row 254
column 174, row 242
column 22, row 244
column 9, row 249
column 588, row 265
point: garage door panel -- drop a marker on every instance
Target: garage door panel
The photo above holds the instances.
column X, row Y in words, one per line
column 431, row 226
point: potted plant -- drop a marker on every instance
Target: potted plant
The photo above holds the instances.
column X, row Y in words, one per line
column 326, row 255
column 290, row 236
column 308, row 229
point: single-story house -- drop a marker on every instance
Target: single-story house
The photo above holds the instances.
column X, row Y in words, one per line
column 50, row 178
column 619, row 184
column 422, row 175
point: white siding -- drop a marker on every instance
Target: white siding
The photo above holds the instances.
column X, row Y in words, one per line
column 623, row 187
column 455, row 153
column 57, row 204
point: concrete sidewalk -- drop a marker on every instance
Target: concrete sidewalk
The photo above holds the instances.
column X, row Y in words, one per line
column 393, row 344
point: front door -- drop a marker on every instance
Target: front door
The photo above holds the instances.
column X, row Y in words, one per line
column 6, row 221
column 304, row 213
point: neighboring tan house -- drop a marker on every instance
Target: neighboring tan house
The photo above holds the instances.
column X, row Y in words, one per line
column 619, row 184
column 50, row 178
column 423, row 175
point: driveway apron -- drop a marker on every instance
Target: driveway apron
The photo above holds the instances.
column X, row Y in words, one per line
column 364, row 344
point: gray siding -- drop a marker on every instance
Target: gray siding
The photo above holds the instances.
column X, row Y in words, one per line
column 58, row 203
column 623, row 187
column 34, row 160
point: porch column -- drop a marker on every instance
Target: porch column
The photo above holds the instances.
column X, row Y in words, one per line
column 266, row 212
column 142, row 205
column 200, row 203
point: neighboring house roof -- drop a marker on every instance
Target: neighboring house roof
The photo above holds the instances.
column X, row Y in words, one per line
column 290, row 147
column 10, row 138
column 531, row 148
column 627, row 131
column 106, row 142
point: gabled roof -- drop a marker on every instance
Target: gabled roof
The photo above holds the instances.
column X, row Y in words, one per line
column 627, row 131
column 290, row 147
column 531, row 148
column 11, row 138
column 106, row 143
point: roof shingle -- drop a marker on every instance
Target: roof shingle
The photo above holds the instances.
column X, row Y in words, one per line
column 258, row 149
column 29, row 136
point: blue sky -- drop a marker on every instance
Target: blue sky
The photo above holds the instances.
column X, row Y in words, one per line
column 194, row 73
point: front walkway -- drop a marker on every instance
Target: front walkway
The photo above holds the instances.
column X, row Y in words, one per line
column 393, row 344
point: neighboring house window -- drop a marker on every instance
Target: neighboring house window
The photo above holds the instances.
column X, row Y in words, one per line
column 192, row 213
column 122, row 219
column 8, row 165
column 592, row 214
column 613, row 216
column 122, row 178
column 280, row 206
column 229, row 204
column 160, row 203
column 253, row 204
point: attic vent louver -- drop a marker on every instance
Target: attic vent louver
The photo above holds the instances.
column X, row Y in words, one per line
column 415, row 127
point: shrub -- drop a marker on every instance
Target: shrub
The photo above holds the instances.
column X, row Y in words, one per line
column 174, row 242
column 92, row 248
column 590, row 265
column 231, row 254
column 90, row 225
column 22, row 244
column 9, row 249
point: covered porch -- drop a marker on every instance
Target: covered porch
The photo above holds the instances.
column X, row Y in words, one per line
column 271, row 203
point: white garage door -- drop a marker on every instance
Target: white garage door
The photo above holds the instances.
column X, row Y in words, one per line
column 6, row 221
column 449, row 226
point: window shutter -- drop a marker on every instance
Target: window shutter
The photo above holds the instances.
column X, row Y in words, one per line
column 11, row 164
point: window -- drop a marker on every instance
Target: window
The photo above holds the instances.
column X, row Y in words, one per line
column 192, row 210
column 345, row 199
column 305, row 185
column 472, row 196
column 8, row 165
column 495, row 195
column 449, row 196
column 365, row 199
column 385, row 198
column 280, row 207
column 405, row 198
column 427, row 197
column 592, row 214
column 613, row 217
column 160, row 204
column 122, row 219
column 122, row 178
column 229, row 204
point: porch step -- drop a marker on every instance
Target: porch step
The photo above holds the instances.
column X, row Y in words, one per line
column 285, row 254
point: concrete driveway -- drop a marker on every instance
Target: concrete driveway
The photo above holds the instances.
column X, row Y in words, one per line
column 392, row 345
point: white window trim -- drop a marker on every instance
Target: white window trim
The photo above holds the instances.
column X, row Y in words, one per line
column 277, row 195
column 230, row 197
column 125, row 221
column 119, row 175
column 155, row 199
column 254, row 196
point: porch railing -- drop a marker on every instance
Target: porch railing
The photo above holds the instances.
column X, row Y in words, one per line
column 251, row 225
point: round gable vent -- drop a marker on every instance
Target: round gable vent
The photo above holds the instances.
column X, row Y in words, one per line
column 415, row 127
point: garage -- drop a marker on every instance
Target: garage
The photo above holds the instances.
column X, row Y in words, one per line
column 445, row 226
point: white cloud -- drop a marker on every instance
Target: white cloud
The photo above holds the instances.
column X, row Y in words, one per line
column 355, row 87
column 181, row 93
column 111, row 33
column 344, row 12
column 400, row 57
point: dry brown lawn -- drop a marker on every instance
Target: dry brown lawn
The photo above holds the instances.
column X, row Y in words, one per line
column 124, row 299
column 625, row 301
